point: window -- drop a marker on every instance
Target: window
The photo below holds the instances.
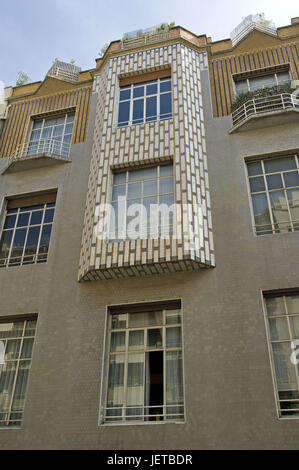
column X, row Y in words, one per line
column 142, row 203
column 52, row 134
column 274, row 187
column 27, row 230
column 145, row 102
column 262, row 81
column 283, row 324
column 16, row 343
column 145, row 367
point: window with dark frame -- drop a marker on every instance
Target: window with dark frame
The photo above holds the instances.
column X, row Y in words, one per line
column 26, row 231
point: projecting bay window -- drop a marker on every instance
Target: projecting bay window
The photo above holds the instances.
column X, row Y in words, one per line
column 27, row 230
column 16, row 343
column 145, row 102
column 274, row 188
column 145, row 366
column 283, row 323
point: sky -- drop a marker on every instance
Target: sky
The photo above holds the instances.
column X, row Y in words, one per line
column 34, row 32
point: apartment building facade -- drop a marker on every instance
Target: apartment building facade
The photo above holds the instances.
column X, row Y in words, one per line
column 149, row 246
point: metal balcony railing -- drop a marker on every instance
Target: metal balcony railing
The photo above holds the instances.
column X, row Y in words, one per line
column 266, row 104
column 49, row 146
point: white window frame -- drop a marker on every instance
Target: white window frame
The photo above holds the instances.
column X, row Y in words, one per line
column 247, row 80
column 105, row 370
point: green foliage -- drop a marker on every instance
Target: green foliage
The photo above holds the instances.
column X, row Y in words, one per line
column 22, row 78
column 103, row 50
column 260, row 93
column 171, row 25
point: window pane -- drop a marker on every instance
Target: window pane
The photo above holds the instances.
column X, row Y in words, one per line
column 118, row 340
column 151, row 108
column 45, row 239
column 115, row 381
column 275, row 306
column 125, row 94
column 11, row 330
column 124, row 113
column 18, row 244
column 165, row 106
column 254, row 168
column 12, row 349
column 173, row 337
column 118, row 321
column 154, row 338
column 138, row 111
column 152, row 89
column 36, row 217
column 294, row 322
column 23, row 219
column 136, row 339
column 70, row 117
column 37, row 124
column 5, row 243
column 274, row 182
column 49, row 215
column 138, row 91
column 174, row 384
column 260, row 209
column 280, row 164
column 7, row 378
column 279, row 328
column 10, row 221
column 173, row 317
column 119, row 178
column 291, row 179
column 146, row 173
column 32, row 241
column 166, row 185
column 149, row 188
column 134, row 190
column 27, row 348
column 293, row 198
column 166, row 170
column 293, row 304
column 279, row 206
column 145, row 319
column 285, row 370
column 21, row 385
column 58, row 130
column 165, row 85
column 118, row 191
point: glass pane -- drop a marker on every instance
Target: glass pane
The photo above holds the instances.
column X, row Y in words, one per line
column 166, row 199
column 5, row 243
column 166, row 170
column 45, row 239
column 118, row 321
column 49, row 214
column 151, row 108
column 37, row 124
column 115, row 381
column 173, row 317
column 118, row 341
column 165, row 85
column 70, row 117
column 279, row 328
column 293, row 304
column 254, row 168
column 69, row 129
column 279, row 207
column 12, row 349
column 241, row 87
column 152, row 89
column 165, row 106
column 11, row 330
column 145, row 173
column 58, row 130
column 35, row 135
column 293, row 198
column 18, row 244
column 274, row 182
column 119, row 178
column 285, row 370
column 135, row 389
column 134, row 190
column 145, row 319
column 118, row 191
column 275, row 306
column 47, row 132
column 174, row 384
column 154, row 338
column 294, row 322
column 138, row 111
column 291, row 179
column 30, row 328
column 27, row 348
column 173, row 337
column 7, row 378
column 150, row 188
column 20, row 387
column 23, row 219
column 166, row 185
column 283, row 77
column 125, row 94
column 10, row 221
column 124, row 113
column 36, row 217
column 280, row 164
column 136, row 339
column 138, row 91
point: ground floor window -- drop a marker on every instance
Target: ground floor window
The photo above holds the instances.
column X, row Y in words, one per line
column 144, row 365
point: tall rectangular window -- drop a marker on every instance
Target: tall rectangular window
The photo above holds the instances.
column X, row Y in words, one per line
column 27, row 230
column 145, row 102
column 274, row 188
column 283, row 323
column 16, row 343
column 144, row 365
column 52, row 134
column 142, row 203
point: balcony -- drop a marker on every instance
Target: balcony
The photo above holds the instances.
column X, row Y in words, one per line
column 38, row 154
column 265, row 111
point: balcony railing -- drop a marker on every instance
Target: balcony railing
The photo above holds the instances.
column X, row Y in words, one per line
column 48, row 146
column 144, row 40
column 266, row 104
